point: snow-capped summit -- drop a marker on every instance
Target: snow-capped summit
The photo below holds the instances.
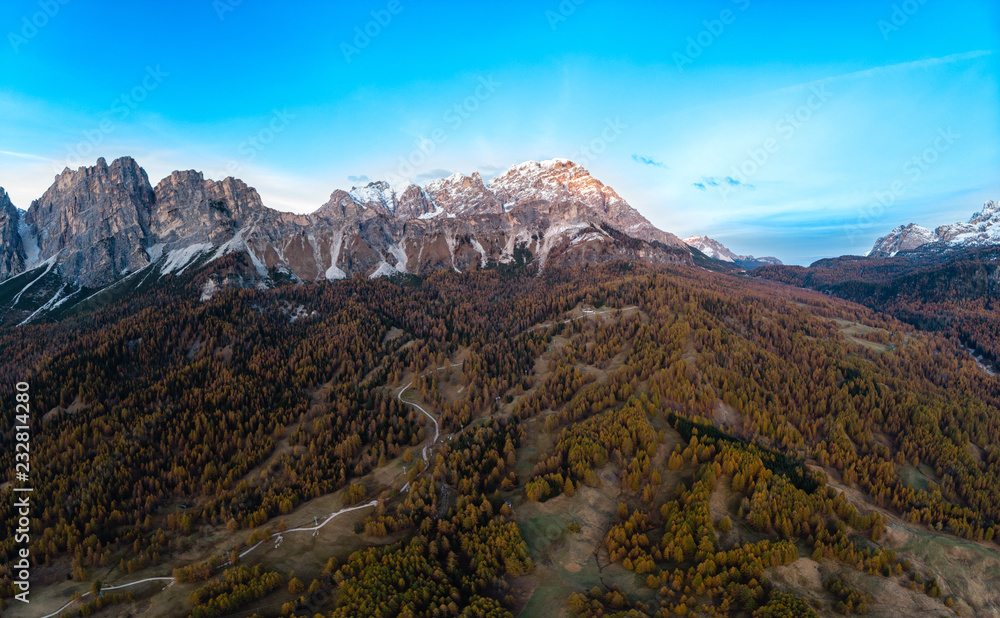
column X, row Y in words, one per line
column 460, row 195
column 710, row 247
column 717, row 251
column 378, row 195
column 555, row 180
column 902, row 238
column 982, row 229
column 562, row 180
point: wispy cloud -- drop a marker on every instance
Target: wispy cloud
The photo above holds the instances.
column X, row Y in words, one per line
column 489, row 172
column 648, row 161
column 727, row 181
column 888, row 68
column 426, row 177
column 361, row 178
column 24, row 155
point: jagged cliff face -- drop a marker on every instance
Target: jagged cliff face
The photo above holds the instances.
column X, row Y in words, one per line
column 413, row 203
column 190, row 209
column 982, row 229
column 460, row 195
column 102, row 223
column 12, row 255
column 94, row 221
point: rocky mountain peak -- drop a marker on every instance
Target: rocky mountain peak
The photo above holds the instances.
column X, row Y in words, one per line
column 377, row 195
column 989, row 214
column 711, row 247
column 901, row 238
column 413, row 203
column 559, row 180
column 95, row 219
column 190, row 209
column 717, row 251
column 556, row 180
column 341, row 206
column 461, row 195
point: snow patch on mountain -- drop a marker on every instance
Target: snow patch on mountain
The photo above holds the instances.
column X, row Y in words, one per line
column 29, row 240
column 384, row 270
column 482, row 252
column 431, row 215
column 155, row 251
column 400, row 255
column 375, row 194
column 179, row 259
column 334, row 272
column 588, row 237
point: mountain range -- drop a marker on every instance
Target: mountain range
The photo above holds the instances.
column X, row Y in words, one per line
column 107, row 226
column 982, row 229
column 100, row 225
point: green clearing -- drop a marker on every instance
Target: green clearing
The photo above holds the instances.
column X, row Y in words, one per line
column 917, row 478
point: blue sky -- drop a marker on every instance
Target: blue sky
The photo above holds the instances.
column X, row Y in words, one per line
column 779, row 128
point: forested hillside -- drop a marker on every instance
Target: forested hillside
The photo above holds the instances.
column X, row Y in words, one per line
column 621, row 440
column 952, row 292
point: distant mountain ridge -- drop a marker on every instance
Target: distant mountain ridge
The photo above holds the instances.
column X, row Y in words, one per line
column 717, row 251
column 104, row 224
column 982, row 230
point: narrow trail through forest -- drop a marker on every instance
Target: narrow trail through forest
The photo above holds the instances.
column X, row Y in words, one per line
column 278, row 536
